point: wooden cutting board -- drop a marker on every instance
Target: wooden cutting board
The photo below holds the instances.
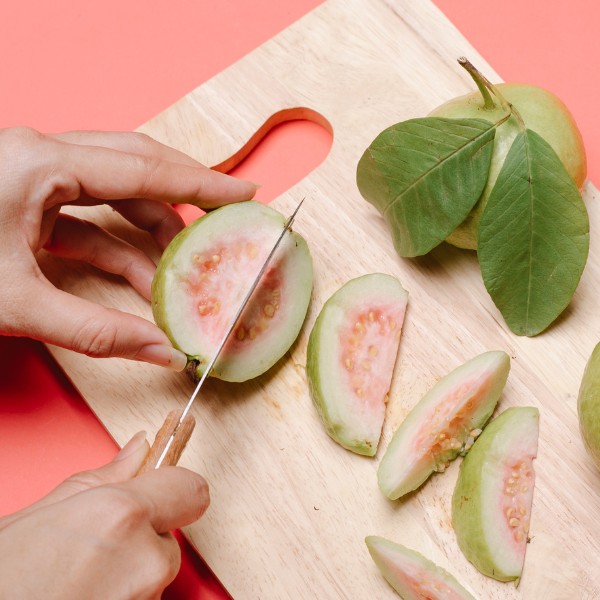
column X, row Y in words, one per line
column 290, row 508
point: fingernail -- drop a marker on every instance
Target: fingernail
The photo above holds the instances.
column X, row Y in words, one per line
column 131, row 447
column 165, row 356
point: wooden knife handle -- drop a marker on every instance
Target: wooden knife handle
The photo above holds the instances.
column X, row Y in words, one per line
column 162, row 437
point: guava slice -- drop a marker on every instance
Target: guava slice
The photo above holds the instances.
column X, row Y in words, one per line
column 351, row 354
column 443, row 424
column 588, row 406
column 491, row 505
column 412, row 575
column 204, row 275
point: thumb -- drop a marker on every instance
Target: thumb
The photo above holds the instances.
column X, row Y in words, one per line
column 122, row 467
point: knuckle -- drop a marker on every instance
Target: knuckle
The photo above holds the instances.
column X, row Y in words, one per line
column 84, row 480
column 18, row 147
column 96, row 339
column 160, row 558
column 61, row 187
column 21, row 134
column 166, row 561
column 141, row 141
column 131, row 261
column 124, row 511
column 24, row 151
column 148, row 168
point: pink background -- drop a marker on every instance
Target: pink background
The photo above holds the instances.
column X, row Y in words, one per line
column 115, row 64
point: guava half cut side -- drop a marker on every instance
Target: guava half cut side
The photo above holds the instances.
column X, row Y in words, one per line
column 351, row 354
column 412, row 575
column 443, row 424
column 206, row 272
column 491, row 504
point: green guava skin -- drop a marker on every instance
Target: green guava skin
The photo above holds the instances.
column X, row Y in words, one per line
column 588, row 406
column 397, row 456
column 542, row 112
column 222, row 369
column 394, row 561
column 335, row 429
column 469, row 497
column 335, row 426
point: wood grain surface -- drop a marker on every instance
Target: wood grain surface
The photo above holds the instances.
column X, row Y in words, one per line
column 290, row 508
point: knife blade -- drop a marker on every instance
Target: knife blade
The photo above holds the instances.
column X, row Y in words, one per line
column 172, row 437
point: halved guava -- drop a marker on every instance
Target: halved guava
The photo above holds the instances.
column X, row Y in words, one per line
column 412, row 575
column 351, row 354
column 443, row 424
column 491, row 505
column 206, row 272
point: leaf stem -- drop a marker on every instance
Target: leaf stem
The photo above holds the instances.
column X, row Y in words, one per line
column 485, row 87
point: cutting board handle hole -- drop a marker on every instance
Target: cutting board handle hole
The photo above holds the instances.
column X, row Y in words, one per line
column 288, row 146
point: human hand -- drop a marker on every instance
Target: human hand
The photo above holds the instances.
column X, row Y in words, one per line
column 139, row 178
column 102, row 533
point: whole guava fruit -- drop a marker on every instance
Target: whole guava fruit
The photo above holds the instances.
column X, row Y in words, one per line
column 588, row 406
column 541, row 111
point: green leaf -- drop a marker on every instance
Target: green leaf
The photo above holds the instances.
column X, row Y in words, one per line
column 424, row 176
column 533, row 236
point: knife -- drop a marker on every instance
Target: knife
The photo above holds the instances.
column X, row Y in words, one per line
column 172, row 437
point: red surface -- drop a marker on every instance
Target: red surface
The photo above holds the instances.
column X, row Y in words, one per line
column 113, row 65
column 550, row 44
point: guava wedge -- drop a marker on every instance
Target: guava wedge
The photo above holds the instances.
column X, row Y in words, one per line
column 491, row 504
column 351, row 354
column 588, row 406
column 443, row 424
column 204, row 275
column 412, row 575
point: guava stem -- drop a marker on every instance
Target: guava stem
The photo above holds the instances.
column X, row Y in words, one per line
column 483, row 83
